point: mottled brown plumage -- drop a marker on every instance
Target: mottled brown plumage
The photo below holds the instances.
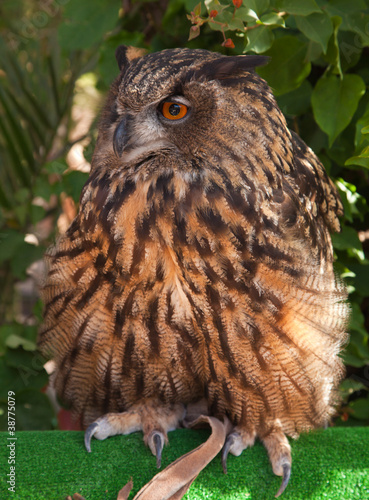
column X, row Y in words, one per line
column 199, row 266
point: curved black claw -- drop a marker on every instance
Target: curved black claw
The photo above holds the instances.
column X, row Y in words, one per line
column 90, row 431
column 285, row 479
column 226, row 448
column 159, row 445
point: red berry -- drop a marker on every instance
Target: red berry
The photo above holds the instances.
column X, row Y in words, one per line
column 228, row 43
column 213, row 13
column 237, row 3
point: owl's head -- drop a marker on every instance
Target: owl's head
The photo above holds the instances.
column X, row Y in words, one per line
column 184, row 106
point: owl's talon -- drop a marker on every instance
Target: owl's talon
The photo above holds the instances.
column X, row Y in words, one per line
column 232, row 445
column 225, row 451
column 90, row 431
column 156, row 442
column 158, row 449
column 285, row 479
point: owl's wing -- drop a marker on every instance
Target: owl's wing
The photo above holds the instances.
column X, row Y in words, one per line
column 315, row 185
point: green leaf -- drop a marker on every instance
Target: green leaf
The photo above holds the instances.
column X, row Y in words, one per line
column 362, row 129
column 190, row 5
column 19, row 134
column 353, row 203
column 333, row 49
column 20, row 369
column 36, row 107
column 197, row 9
column 33, row 411
column 28, row 369
column 10, row 242
column 226, row 17
column 5, row 199
column 247, row 15
column 361, row 280
column 350, row 385
column 14, row 341
column 86, row 22
column 345, row 9
column 15, row 335
column 73, row 183
column 350, row 49
column 37, row 213
column 25, row 255
column 43, row 188
column 299, row 8
column 314, row 52
column 10, row 380
column 362, row 160
column 287, row 68
column 27, row 116
column 358, row 23
column 258, row 6
column 335, row 101
column 16, row 165
column 296, row 102
column 6, row 331
column 317, row 27
column 357, row 322
column 352, row 358
column 360, row 408
column 56, row 167
column 347, row 238
column 235, row 23
column 359, row 345
column 272, row 19
column 259, row 40
column 194, row 32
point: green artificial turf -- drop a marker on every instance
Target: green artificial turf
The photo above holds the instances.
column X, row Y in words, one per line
column 331, row 464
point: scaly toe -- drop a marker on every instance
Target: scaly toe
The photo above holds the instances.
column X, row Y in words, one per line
column 112, row 424
column 234, row 445
column 279, row 451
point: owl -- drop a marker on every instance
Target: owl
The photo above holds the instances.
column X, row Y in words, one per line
column 199, row 269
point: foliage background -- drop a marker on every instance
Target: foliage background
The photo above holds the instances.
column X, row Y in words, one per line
column 56, row 64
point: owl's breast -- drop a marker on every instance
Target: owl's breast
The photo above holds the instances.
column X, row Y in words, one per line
column 167, row 286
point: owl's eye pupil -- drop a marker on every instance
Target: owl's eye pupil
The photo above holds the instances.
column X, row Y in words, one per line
column 173, row 110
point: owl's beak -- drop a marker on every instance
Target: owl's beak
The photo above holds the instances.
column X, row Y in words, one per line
column 137, row 137
column 121, row 135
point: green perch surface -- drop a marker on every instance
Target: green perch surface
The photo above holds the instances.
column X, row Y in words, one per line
column 326, row 465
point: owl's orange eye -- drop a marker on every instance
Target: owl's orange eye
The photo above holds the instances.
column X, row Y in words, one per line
column 174, row 110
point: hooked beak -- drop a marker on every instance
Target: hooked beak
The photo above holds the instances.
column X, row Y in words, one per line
column 137, row 138
column 121, row 135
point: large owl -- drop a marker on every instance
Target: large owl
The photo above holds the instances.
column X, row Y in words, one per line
column 199, row 268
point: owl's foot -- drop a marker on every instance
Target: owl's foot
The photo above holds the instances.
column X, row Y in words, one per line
column 276, row 443
column 125, row 423
column 279, row 452
column 112, row 424
column 154, row 421
column 237, row 441
column 232, row 445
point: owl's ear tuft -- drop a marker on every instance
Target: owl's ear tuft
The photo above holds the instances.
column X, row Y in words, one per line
column 125, row 55
column 229, row 66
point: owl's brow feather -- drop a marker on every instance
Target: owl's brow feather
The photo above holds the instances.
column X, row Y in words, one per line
column 226, row 67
